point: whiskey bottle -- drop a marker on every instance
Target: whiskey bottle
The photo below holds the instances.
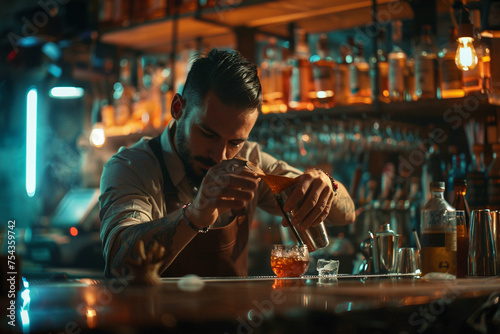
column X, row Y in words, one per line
column 381, row 61
column 397, row 64
column 360, row 77
column 478, row 80
column 301, row 74
column 450, row 76
column 438, row 233
column 426, row 66
column 342, row 76
column 323, row 68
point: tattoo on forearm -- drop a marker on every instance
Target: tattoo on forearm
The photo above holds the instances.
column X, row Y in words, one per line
column 345, row 204
column 149, row 232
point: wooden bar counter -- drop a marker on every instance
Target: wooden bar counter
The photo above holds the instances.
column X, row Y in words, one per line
column 348, row 304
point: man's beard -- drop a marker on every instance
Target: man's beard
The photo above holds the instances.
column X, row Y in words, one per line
column 187, row 159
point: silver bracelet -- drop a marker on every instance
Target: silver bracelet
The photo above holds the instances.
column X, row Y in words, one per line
column 190, row 224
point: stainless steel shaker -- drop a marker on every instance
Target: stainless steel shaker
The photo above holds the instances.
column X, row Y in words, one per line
column 315, row 237
column 482, row 255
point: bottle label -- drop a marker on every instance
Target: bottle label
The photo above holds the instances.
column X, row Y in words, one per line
column 439, row 252
column 452, row 76
column 323, row 78
column 342, row 88
column 471, row 79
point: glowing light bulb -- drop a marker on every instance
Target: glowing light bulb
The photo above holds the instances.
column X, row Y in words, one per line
column 97, row 135
column 465, row 57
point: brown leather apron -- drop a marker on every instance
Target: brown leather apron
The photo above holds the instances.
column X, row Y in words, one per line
column 223, row 251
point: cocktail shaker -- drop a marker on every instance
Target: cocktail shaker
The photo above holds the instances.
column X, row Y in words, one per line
column 315, row 237
column 482, row 255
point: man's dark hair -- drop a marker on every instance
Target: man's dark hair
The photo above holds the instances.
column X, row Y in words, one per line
column 229, row 75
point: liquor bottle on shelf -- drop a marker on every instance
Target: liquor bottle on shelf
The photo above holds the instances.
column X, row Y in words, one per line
column 323, row 75
column 476, row 179
column 450, row 76
column 342, row 77
column 426, row 66
column 301, row 74
column 438, row 233
column 494, row 179
column 410, row 92
column 397, row 64
column 381, row 61
column 478, row 79
column 124, row 94
column 360, row 77
column 271, row 79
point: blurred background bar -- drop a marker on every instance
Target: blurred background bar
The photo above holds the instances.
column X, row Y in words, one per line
column 375, row 98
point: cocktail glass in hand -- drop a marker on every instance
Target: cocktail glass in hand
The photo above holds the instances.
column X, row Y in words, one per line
column 289, row 260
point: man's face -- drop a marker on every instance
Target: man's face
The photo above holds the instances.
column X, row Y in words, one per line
column 210, row 133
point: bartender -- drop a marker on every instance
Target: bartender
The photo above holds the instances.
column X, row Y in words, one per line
column 188, row 189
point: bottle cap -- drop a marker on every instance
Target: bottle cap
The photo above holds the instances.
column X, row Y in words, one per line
column 436, row 186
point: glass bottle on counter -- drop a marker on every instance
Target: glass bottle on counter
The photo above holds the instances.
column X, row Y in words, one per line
column 476, row 179
column 438, row 233
column 494, row 179
column 342, row 77
column 323, row 74
column 301, row 74
column 450, row 76
column 360, row 77
column 381, row 61
column 397, row 64
column 426, row 66
column 478, row 79
column 463, row 221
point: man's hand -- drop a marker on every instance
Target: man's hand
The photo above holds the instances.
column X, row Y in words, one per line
column 310, row 200
column 228, row 185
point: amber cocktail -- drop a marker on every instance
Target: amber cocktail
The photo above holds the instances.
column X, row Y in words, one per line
column 289, row 260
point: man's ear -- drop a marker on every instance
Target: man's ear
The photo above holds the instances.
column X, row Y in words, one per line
column 177, row 108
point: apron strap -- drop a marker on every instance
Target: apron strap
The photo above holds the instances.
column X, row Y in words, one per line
column 169, row 189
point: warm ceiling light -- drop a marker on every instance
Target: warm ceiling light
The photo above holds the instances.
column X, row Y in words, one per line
column 465, row 57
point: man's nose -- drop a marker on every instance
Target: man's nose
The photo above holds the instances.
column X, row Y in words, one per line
column 219, row 152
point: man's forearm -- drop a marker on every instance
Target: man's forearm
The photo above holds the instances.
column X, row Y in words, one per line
column 343, row 211
column 171, row 232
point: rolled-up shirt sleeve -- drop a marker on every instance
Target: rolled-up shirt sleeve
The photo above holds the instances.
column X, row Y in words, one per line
column 126, row 197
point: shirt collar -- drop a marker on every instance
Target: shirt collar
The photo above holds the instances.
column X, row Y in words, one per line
column 175, row 167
